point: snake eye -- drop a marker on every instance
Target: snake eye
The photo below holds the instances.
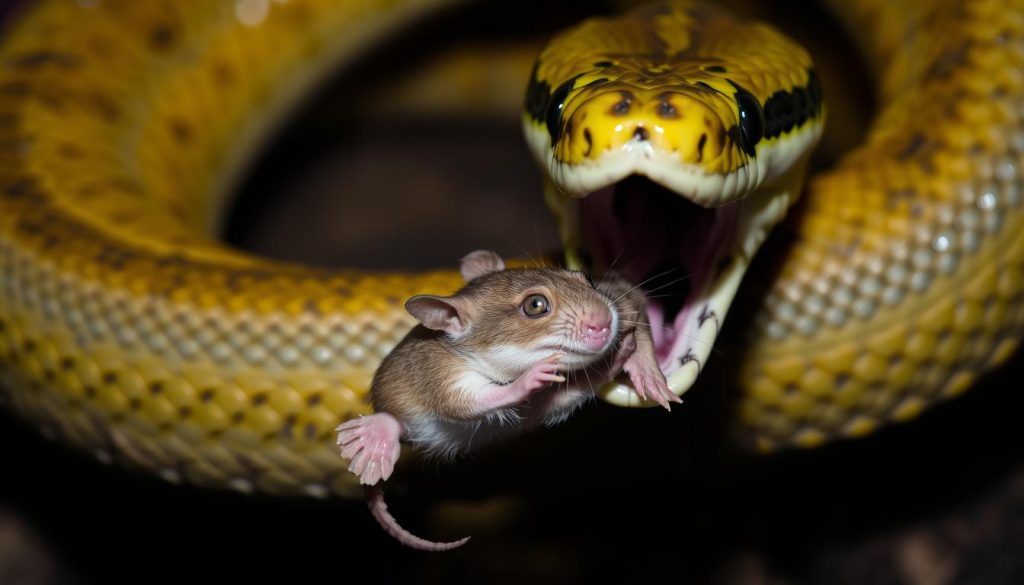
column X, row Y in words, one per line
column 553, row 117
column 751, row 120
column 536, row 306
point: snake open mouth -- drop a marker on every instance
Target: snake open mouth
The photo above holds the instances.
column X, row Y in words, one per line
column 688, row 259
column 663, row 243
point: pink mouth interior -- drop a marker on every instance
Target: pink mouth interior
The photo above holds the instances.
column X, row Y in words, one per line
column 663, row 243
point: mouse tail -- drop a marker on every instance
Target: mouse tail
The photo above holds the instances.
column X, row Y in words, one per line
column 375, row 501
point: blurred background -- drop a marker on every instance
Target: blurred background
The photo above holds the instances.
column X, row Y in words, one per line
column 429, row 124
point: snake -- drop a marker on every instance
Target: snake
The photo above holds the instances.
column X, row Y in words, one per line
column 674, row 138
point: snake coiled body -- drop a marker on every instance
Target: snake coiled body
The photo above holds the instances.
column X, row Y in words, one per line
column 129, row 331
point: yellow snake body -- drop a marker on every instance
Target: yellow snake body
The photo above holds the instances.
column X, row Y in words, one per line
column 904, row 279
column 129, row 331
column 126, row 328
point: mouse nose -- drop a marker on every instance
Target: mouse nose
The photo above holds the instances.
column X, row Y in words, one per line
column 595, row 330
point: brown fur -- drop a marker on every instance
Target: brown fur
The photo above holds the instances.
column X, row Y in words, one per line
column 419, row 378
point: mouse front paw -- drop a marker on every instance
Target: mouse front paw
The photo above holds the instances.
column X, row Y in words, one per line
column 371, row 444
column 649, row 382
column 541, row 374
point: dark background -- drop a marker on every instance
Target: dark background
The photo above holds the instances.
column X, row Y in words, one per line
column 613, row 493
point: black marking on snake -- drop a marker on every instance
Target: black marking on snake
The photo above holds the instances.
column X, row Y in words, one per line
column 105, row 107
column 37, row 59
column 545, row 105
column 537, row 94
column 20, row 188
column 949, row 61
column 53, row 102
column 16, row 89
column 291, row 419
column 715, row 69
column 590, row 141
column 700, row 146
column 553, row 113
column 9, row 121
column 603, row 64
column 786, row 110
column 707, row 87
column 705, row 314
column 689, row 357
column 161, row 37
column 919, row 150
column 289, row 426
column 181, row 131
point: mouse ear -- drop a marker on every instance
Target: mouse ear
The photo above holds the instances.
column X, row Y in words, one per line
column 438, row 313
column 480, row 263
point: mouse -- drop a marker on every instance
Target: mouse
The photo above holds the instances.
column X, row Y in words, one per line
column 513, row 349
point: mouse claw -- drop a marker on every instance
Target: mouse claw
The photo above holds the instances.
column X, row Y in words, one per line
column 371, row 444
column 649, row 383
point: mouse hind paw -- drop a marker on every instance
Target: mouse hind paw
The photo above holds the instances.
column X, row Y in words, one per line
column 371, row 444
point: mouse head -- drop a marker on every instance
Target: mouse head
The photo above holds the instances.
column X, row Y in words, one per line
column 512, row 318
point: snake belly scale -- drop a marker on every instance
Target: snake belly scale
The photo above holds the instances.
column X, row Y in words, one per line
column 127, row 330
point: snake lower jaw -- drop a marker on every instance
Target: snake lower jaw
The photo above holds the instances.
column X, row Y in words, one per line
column 689, row 259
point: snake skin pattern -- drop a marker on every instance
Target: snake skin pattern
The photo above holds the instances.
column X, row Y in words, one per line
column 127, row 330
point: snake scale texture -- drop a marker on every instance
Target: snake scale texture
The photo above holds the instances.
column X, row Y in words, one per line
column 128, row 330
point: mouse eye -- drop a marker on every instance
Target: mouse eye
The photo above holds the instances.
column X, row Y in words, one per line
column 536, row 305
column 590, row 278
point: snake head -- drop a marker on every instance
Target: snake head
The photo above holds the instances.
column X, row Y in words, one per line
column 671, row 152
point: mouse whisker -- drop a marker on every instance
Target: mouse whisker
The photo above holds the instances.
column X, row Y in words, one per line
column 655, row 289
column 616, row 260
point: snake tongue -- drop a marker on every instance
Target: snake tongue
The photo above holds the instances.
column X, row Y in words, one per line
column 688, row 259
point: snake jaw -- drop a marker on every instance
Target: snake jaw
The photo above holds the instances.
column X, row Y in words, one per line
column 724, row 218
column 710, row 240
column 689, row 259
column 710, row 254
